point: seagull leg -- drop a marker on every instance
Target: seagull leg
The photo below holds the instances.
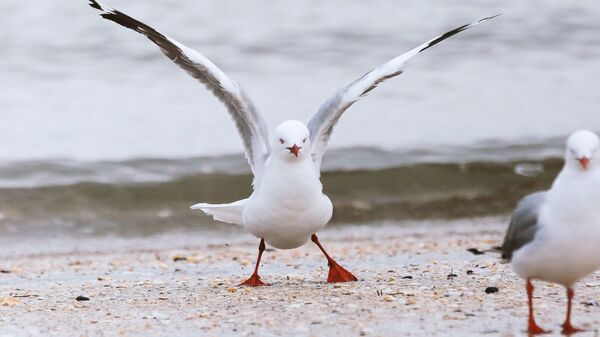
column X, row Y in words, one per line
column 568, row 329
column 533, row 328
column 254, row 280
column 336, row 272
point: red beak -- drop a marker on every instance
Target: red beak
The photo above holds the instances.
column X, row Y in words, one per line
column 294, row 150
column 585, row 162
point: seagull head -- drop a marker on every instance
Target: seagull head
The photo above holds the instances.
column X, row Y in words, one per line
column 582, row 150
column 291, row 141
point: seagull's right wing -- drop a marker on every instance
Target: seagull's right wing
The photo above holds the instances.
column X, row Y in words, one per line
column 322, row 123
column 523, row 224
column 249, row 121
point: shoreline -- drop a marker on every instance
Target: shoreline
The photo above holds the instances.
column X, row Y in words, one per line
column 416, row 192
column 136, row 288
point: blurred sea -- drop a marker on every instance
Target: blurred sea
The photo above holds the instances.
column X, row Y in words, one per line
column 100, row 133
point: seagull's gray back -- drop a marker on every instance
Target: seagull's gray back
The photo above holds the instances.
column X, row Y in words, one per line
column 523, row 224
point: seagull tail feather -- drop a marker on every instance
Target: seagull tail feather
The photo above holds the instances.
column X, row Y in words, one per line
column 230, row 213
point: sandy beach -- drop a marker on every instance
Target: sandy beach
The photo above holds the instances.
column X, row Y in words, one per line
column 423, row 130
column 415, row 279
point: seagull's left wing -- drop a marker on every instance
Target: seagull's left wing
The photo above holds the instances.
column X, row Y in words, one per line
column 322, row 123
column 524, row 224
column 249, row 122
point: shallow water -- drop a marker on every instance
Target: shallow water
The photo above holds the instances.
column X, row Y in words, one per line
column 419, row 191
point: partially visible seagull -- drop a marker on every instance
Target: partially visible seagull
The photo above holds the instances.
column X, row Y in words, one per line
column 287, row 206
column 555, row 235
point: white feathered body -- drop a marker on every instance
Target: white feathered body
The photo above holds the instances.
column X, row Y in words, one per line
column 566, row 246
column 289, row 205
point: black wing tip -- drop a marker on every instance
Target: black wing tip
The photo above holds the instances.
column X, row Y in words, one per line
column 95, row 4
column 490, row 17
column 127, row 21
column 116, row 16
column 456, row 31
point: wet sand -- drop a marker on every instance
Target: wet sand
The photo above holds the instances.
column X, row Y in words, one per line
column 414, row 280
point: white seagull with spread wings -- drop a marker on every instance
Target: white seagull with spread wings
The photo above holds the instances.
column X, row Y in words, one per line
column 287, row 206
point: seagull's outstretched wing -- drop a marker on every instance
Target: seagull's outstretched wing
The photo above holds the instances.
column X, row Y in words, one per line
column 322, row 123
column 249, row 121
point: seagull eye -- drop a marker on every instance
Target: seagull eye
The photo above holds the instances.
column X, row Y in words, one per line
column 304, row 140
column 281, row 140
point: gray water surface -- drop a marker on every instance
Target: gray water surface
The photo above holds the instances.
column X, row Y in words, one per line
column 75, row 86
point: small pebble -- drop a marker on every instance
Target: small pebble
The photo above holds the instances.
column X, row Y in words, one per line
column 475, row 251
column 491, row 290
column 9, row 301
column 388, row 298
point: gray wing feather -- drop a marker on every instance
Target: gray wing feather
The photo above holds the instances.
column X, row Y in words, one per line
column 250, row 124
column 523, row 224
column 322, row 123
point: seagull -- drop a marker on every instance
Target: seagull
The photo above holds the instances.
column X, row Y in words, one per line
column 287, row 206
column 554, row 235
